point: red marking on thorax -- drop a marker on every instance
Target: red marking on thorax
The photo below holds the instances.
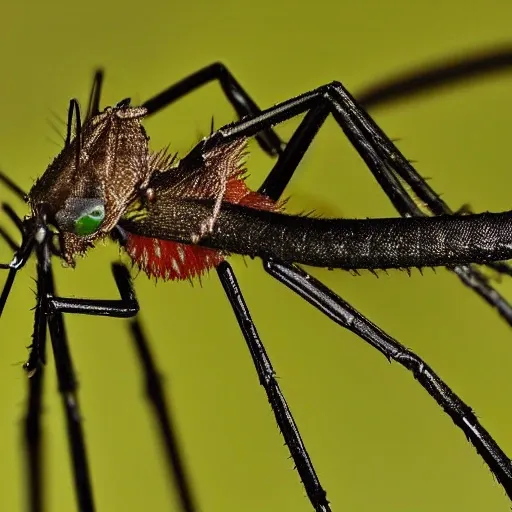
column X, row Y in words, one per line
column 172, row 260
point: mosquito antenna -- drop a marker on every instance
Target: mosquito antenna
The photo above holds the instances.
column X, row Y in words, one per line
column 74, row 108
column 93, row 106
column 69, row 124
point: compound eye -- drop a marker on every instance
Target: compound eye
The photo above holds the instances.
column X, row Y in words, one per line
column 90, row 221
column 82, row 216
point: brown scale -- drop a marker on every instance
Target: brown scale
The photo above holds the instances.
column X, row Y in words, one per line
column 108, row 160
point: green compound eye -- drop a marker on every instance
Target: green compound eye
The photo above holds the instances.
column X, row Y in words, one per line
column 90, row 221
column 81, row 215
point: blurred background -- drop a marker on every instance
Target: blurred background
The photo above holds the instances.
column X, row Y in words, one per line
column 378, row 441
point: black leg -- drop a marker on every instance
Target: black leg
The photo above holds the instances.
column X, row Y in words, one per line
column 431, row 78
column 35, row 369
column 362, row 132
column 33, row 439
column 345, row 315
column 383, row 158
column 156, row 397
column 266, row 374
column 21, row 256
column 68, row 386
column 427, row 78
column 243, row 104
column 126, row 307
column 32, row 430
column 22, row 253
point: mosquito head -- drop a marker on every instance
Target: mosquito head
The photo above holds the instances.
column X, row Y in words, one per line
column 101, row 169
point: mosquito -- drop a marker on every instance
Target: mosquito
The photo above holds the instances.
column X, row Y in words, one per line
column 176, row 219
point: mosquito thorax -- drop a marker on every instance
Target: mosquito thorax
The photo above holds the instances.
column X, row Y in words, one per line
column 88, row 186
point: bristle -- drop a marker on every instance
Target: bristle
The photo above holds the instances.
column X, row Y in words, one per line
column 171, row 260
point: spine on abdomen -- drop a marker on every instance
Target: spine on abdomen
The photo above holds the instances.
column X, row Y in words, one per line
column 368, row 244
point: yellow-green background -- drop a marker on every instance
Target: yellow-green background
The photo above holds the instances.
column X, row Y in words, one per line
column 378, row 441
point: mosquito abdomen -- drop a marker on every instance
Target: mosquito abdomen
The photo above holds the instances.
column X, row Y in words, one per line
column 370, row 243
column 373, row 243
column 338, row 243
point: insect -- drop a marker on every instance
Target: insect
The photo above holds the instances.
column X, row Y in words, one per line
column 176, row 219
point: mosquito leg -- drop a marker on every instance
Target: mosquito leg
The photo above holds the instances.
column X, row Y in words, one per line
column 7, row 288
column 243, row 104
column 429, row 78
column 33, row 444
column 502, row 267
column 32, row 437
column 12, row 186
column 156, row 397
column 9, row 240
column 345, row 315
column 13, row 216
column 68, row 386
column 32, row 421
column 266, row 374
column 287, row 163
column 337, row 101
column 283, row 170
column 127, row 306
column 423, row 80
column 36, row 355
column 378, row 152
column 21, row 254
column 382, row 157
